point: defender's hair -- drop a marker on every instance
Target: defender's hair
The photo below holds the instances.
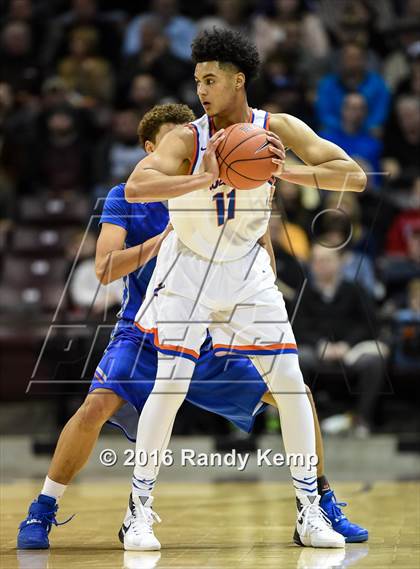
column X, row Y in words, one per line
column 162, row 114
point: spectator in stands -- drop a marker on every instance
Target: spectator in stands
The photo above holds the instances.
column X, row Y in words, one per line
column 63, row 160
column 87, row 295
column 356, row 266
column 271, row 29
column 404, row 224
column 411, row 84
column 352, row 76
column 86, row 13
column 333, row 327
column 18, row 64
column 402, row 140
column 143, row 93
column 406, row 331
column 396, row 66
column 230, row 14
column 402, row 260
column 83, row 70
column 118, row 154
column 352, row 137
column 179, row 30
column 155, row 58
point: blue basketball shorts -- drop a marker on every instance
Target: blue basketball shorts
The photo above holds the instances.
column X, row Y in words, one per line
column 227, row 385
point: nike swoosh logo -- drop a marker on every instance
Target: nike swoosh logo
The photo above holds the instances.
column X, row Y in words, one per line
column 126, row 528
column 203, row 148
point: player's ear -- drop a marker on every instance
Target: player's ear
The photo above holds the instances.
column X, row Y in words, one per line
column 149, row 146
column 240, row 80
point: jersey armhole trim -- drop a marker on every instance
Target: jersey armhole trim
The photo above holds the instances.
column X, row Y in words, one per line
column 196, row 151
column 267, row 121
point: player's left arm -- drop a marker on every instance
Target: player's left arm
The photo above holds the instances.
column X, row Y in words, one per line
column 326, row 166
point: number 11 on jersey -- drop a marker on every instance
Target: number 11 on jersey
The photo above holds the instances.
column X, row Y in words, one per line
column 220, row 206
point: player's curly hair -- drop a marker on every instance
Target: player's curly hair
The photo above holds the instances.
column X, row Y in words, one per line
column 227, row 46
column 159, row 115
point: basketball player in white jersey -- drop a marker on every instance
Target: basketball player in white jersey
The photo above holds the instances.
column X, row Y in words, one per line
column 213, row 274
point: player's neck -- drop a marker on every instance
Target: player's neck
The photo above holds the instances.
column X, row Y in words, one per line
column 240, row 113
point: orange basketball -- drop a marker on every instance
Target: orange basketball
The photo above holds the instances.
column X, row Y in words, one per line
column 244, row 159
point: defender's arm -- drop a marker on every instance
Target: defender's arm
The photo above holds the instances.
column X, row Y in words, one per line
column 112, row 261
column 326, row 167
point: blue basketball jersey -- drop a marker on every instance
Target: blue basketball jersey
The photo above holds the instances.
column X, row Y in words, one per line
column 142, row 221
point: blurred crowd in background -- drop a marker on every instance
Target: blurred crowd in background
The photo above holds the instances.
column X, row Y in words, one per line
column 77, row 76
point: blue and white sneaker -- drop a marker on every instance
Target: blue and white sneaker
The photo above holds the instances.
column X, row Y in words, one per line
column 34, row 530
column 340, row 523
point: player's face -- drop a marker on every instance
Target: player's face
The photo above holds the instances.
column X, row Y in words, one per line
column 216, row 87
column 325, row 263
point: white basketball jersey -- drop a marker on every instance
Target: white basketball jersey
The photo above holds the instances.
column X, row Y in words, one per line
column 220, row 222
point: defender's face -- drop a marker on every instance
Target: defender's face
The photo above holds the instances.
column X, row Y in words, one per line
column 215, row 86
column 163, row 130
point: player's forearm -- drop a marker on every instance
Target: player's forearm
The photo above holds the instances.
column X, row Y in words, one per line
column 158, row 187
column 339, row 175
column 118, row 264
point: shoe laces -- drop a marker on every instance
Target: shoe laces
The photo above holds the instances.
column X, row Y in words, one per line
column 336, row 510
column 315, row 516
column 144, row 518
column 47, row 518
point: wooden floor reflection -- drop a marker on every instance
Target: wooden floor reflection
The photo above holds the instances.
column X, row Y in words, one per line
column 214, row 526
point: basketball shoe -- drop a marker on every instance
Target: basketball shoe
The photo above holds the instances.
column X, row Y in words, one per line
column 340, row 523
column 313, row 528
column 136, row 532
column 34, row 530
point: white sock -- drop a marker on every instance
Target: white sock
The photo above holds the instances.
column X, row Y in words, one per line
column 53, row 489
column 158, row 415
column 285, row 380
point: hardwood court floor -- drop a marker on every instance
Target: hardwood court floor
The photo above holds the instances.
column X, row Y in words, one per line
column 214, row 525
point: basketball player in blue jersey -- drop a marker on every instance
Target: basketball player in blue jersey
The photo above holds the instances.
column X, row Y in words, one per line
column 213, row 275
column 130, row 238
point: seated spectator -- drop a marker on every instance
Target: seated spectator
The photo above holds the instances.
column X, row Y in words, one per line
column 155, row 58
column 63, row 159
column 35, row 16
column 83, row 70
column 270, row 29
column 396, row 66
column 399, row 268
column 18, row 64
column 87, row 13
column 118, row 154
column 143, row 93
column 356, row 266
column 180, row 31
column 411, row 85
column 288, row 90
column 402, row 140
column 354, row 139
column 333, row 327
column 406, row 331
column 405, row 222
column 232, row 14
column 86, row 294
column 352, row 76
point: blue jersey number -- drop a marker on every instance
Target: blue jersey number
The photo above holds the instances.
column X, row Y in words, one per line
column 220, row 206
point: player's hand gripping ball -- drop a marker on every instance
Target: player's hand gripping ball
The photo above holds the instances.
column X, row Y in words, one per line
column 244, row 156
